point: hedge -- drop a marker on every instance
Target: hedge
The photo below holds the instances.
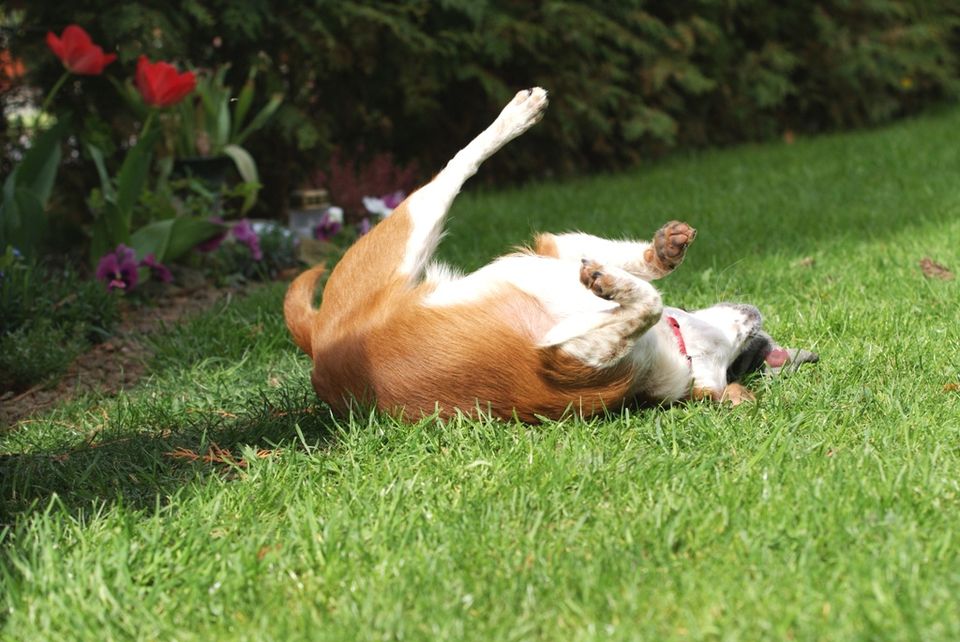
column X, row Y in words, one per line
column 629, row 79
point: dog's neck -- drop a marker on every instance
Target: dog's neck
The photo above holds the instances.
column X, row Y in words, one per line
column 681, row 344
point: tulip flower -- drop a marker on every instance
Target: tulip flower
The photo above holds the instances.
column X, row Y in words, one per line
column 77, row 52
column 160, row 84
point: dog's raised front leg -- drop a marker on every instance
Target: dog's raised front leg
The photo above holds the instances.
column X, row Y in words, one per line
column 613, row 336
column 428, row 206
column 647, row 260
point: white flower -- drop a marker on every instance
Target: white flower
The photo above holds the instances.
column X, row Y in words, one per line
column 376, row 206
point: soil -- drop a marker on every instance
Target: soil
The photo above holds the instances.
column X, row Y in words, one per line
column 120, row 361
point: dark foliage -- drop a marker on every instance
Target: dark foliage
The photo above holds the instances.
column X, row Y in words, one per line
column 348, row 180
column 629, row 79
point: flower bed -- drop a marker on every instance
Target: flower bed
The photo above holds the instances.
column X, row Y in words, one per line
column 153, row 215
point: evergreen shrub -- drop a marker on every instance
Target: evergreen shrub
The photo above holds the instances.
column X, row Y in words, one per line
column 629, row 79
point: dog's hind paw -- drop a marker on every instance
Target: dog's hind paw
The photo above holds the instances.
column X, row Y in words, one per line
column 670, row 244
column 524, row 111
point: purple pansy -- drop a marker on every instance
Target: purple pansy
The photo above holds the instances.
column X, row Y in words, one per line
column 330, row 224
column 118, row 269
column 243, row 233
column 157, row 269
column 392, row 200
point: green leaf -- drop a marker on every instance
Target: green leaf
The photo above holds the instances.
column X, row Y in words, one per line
column 169, row 239
column 27, row 190
column 164, row 167
column 646, row 121
column 28, row 214
column 106, row 185
column 133, row 174
column 247, row 168
column 221, row 133
column 33, row 219
column 109, row 230
column 38, row 169
column 34, row 170
column 220, row 76
column 131, row 97
column 9, row 212
column 240, row 109
column 260, row 119
column 184, row 137
column 41, row 183
column 99, row 241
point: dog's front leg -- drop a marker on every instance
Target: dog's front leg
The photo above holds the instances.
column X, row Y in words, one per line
column 647, row 260
column 733, row 393
column 613, row 333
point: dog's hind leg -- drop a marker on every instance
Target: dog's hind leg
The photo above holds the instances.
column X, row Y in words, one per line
column 396, row 251
column 646, row 260
column 428, row 206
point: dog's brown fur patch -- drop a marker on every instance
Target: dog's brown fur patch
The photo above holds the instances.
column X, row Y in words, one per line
column 378, row 343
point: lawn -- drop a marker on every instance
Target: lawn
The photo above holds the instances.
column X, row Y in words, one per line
column 826, row 510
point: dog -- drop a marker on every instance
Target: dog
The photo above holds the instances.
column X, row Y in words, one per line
column 571, row 324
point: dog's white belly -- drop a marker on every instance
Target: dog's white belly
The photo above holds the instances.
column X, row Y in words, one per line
column 555, row 283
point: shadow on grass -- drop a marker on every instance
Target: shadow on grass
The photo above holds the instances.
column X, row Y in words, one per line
column 124, row 463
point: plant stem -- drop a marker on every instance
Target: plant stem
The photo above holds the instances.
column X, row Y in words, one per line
column 53, row 92
column 148, row 123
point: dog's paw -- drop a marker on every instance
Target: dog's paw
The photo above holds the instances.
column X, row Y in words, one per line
column 596, row 279
column 735, row 394
column 670, row 244
column 524, row 111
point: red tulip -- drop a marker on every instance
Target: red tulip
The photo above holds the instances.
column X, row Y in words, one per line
column 78, row 53
column 160, row 84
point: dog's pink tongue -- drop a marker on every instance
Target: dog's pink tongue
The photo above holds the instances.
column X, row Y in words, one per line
column 777, row 357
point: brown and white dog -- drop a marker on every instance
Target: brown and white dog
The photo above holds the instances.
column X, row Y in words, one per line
column 571, row 325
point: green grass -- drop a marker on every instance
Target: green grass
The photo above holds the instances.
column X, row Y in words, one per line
column 827, row 510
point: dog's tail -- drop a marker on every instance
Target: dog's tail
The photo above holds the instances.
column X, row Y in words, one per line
column 298, row 310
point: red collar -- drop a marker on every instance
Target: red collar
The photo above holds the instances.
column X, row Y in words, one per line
column 675, row 326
